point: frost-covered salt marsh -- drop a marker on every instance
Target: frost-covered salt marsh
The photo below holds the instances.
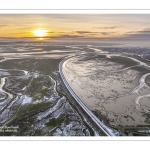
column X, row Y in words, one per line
column 32, row 96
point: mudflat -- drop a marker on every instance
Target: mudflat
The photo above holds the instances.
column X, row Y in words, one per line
column 113, row 87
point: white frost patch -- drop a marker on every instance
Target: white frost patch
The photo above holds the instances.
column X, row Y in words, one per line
column 23, row 88
column 38, row 101
column 36, row 75
column 26, row 100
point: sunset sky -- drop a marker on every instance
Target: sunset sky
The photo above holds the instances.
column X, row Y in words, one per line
column 75, row 26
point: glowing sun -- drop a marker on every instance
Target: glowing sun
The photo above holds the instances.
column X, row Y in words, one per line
column 40, row 33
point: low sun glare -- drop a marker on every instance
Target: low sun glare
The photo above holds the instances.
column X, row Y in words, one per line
column 40, row 33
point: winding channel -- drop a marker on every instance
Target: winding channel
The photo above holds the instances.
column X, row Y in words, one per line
column 10, row 96
column 54, row 84
column 3, row 80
